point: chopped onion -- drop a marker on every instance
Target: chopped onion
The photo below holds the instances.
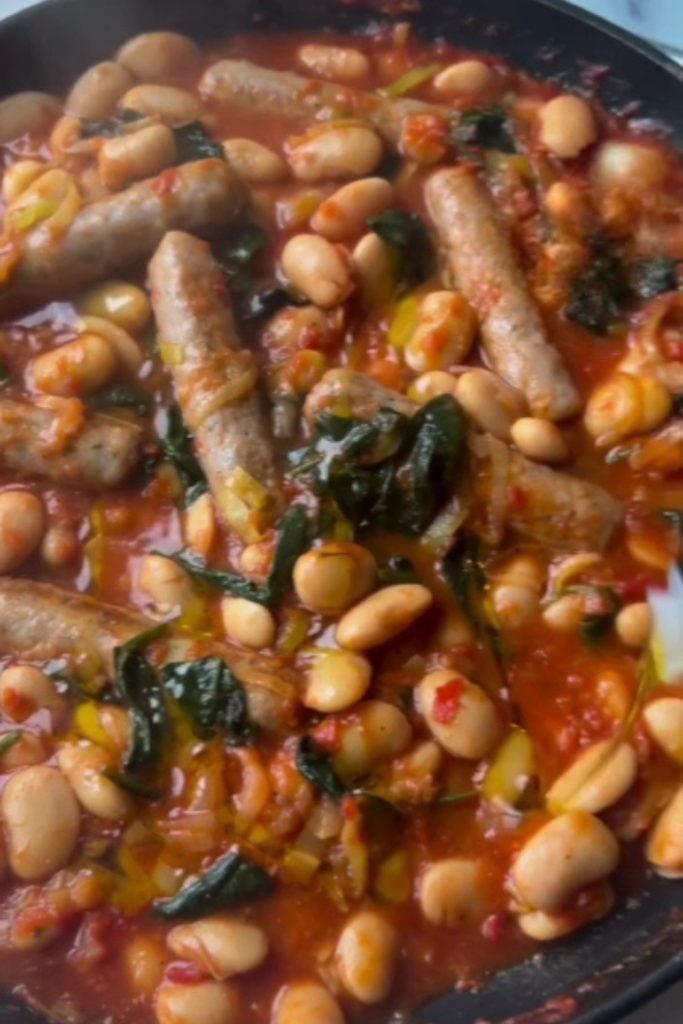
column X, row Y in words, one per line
column 666, row 607
column 411, row 80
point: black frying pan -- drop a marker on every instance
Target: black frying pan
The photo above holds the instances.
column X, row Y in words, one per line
column 599, row 975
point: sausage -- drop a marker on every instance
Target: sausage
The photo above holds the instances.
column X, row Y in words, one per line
column 484, row 266
column 552, row 508
column 239, row 83
column 214, row 382
column 547, row 506
column 39, row 621
column 114, row 234
column 100, row 454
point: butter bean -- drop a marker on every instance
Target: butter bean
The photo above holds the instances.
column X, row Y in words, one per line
column 306, row 1002
column 39, row 843
column 253, row 162
column 598, row 778
column 366, row 957
column 153, row 56
column 458, row 713
column 348, row 210
column 382, row 616
column 328, row 152
column 317, row 269
column 450, row 891
column 97, row 91
column 222, row 946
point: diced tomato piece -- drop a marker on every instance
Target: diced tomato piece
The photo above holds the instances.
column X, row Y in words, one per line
column 493, row 928
column 447, row 700
column 183, row 973
column 166, row 182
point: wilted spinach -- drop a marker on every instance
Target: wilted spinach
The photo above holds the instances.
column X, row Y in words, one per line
column 595, row 629
column 409, row 241
column 179, row 449
column 264, row 301
column 193, row 142
column 651, row 278
column 236, row 253
column 461, row 568
column 316, row 766
column 393, row 472
column 136, row 685
column 484, row 128
column 599, row 292
column 292, row 541
column 397, row 570
column 110, row 128
column 233, row 880
column 8, row 740
column 212, row 697
column 120, row 398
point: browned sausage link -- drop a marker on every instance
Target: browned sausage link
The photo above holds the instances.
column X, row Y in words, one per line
column 483, row 264
column 239, row 83
column 100, row 454
column 40, row 622
column 552, row 508
column 214, row 382
column 116, row 233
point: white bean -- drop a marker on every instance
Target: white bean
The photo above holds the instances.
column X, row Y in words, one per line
column 629, row 166
column 374, row 732
column 565, row 855
column 77, row 368
column 97, row 91
column 466, row 78
column 338, row 63
column 165, row 583
column 599, row 777
column 664, row 720
column 254, row 162
column 26, row 112
column 444, row 334
column 221, row 946
column 157, row 55
column 200, row 524
column 366, row 957
column 625, row 405
column 348, row 210
column 516, row 591
column 633, row 624
column 22, row 524
column 28, row 749
column 565, row 613
column 205, row 1002
column 317, row 269
column 141, row 154
column 432, row 384
column 450, row 891
column 42, row 822
column 83, row 767
column 23, row 690
column 665, row 844
column 331, row 578
column 458, row 713
column 169, row 104
column 548, row 927
column 328, row 152
column 567, row 126
column 144, row 960
column 336, row 680
column 540, row 440
column 373, row 268
column 126, row 305
column 248, row 623
column 493, row 404
column 306, row 1002
column 19, row 176
column 382, row 616
column 59, row 546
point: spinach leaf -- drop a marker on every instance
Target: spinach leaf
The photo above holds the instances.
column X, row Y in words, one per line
column 179, row 450
column 316, row 766
column 595, row 629
column 674, row 517
column 397, row 570
column 236, row 254
column 391, row 473
column 110, row 128
column 132, row 785
column 120, row 398
column 599, row 292
column 194, row 143
column 409, row 241
column 233, row 880
column 212, row 697
column 651, row 278
column 292, row 541
column 136, row 686
column 484, row 128
column 461, row 568
column 264, row 301
column 5, row 375
column 677, row 409
column 8, row 740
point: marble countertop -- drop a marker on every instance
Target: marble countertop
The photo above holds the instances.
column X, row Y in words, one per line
column 658, row 20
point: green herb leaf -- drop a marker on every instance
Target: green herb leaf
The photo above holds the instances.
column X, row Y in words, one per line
column 92, row 128
column 193, row 142
column 599, row 292
column 450, row 799
column 263, row 302
column 317, row 767
column 409, row 240
column 136, row 686
column 8, row 740
column 236, row 254
column 462, row 571
column 212, row 697
column 232, row 881
column 132, row 785
column 120, row 398
column 178, row 448
column 5, row 375
column 392, row 473
column 397, row 570
column 485, row 128
column 595, row 629
column 651, row 278
column 292, row 541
